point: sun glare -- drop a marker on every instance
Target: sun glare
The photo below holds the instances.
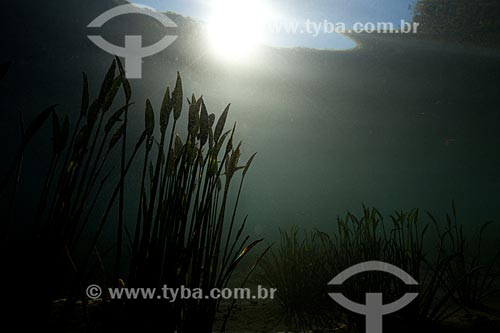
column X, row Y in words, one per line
column 236, row 27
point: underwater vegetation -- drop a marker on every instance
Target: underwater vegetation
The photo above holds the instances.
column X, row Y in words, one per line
column 171, row 201
column 453, row 274
column 184, row 229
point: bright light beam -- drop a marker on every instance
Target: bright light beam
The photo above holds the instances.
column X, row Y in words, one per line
column 237, row 27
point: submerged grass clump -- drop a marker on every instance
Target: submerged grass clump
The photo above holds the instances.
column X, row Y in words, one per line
column 298, row 268
column 301, row 267
column 470, row 271
column 181, row 231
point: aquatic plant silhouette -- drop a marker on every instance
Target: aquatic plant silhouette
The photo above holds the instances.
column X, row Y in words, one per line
column 302, row 266
column 472, row 274
column 185, row 230
column 180, row 237
column 298, row 267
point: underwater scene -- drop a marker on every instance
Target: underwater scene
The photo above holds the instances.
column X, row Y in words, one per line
column 250, row 166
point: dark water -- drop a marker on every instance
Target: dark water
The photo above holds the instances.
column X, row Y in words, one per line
column 395, row 123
